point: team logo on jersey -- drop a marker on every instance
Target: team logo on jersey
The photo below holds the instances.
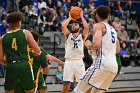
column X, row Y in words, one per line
column 44, row 84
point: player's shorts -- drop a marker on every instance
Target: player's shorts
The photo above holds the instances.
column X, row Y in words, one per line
column 98, row 78
column 41, row 84
column 73, row 70
column 18, row 70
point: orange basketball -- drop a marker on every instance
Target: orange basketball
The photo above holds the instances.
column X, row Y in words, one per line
column 75, row 12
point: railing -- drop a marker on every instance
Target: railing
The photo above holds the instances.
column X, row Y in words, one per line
column 55, row 42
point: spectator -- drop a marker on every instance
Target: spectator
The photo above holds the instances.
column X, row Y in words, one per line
column 80, row 3
column 4, row 27
column 124, row 55
column 42, row 21
column 134, row 56
column 59, row 75
column 2, row 12
column 113, row 9
column 86, row 14
column 122, row 35
column 119, row 9
column 129, row 7
column 41, row 4
column 117, row 24
column 134, row 32
column 50, row 4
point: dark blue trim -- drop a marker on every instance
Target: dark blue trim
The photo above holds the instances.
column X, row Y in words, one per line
column 96, row 87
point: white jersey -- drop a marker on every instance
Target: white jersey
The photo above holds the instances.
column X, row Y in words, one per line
column 105, row 57
column 74, row 47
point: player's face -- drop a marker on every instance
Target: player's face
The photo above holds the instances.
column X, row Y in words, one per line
column 75, row 27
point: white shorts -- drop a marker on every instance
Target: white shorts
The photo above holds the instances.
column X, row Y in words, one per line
column 73, row 70
column 98, row 78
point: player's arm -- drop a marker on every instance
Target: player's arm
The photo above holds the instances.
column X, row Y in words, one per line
column 64, row 26
column 117, row 46
column 97, row 37
column 54, row 59
column 86, row 26
column 2, row 59
column 32, row 42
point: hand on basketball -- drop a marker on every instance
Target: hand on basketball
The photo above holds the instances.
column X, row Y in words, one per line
column 70, row 17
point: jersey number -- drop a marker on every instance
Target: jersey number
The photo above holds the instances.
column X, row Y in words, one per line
column 14, row 44
column 75, row 45
column 113, row 37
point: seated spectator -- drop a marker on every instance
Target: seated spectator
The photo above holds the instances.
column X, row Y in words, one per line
column 130, row 9
column 59, row 75
column 2, row 13
column 4, row 27
column 117, row 24
column 124, row 55
column 41, row 4
column 113, row 9
column 86, row 14
column 134, row 56
column 122, row 35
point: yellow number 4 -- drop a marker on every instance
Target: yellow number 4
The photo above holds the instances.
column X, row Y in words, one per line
column 14, row 44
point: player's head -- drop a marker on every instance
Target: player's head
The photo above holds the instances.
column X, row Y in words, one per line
column 102, row 12
column 14, row 19
column 35, row 36
column 75, row 27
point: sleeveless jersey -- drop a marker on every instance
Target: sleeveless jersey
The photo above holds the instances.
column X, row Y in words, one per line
column 105, row 57
column 15, row 46
column 74, row 47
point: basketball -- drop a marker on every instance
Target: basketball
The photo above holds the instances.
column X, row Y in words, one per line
column 75, row 12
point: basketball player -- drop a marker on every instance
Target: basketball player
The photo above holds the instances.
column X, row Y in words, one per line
column 74, row 66
column 39, row 63
column 104, row 47
column 13, row 46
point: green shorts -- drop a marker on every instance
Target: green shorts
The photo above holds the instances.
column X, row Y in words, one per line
column 18, row 70
column 20, row 86
column 41, row 84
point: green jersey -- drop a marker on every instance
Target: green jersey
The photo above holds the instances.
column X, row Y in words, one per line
column 15, row 46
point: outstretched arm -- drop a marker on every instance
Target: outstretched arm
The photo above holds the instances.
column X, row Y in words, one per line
column 85, row 24
column 54, row 59
column 64, row 26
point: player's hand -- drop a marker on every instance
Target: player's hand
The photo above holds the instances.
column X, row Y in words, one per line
column 70, row 17
column 88, row 44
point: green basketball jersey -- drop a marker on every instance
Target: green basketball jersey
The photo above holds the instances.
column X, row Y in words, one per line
column 15, row 46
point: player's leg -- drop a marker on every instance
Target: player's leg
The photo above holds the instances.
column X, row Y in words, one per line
column 9, row 91
column 29, row 91
column 95, row 90
column 82, row 87
column 43, row 91
column 68, row 75
column 66, row 87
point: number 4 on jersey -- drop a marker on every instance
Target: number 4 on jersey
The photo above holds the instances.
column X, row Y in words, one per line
column 14, row 44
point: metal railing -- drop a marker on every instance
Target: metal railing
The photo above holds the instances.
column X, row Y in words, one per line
column 55, row 42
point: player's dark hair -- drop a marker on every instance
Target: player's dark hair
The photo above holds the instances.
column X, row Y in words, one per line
column 103, row 11
column 35, row 35
column 13, row 18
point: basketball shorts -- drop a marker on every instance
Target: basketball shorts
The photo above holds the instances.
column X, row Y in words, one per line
column 73, row 70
